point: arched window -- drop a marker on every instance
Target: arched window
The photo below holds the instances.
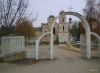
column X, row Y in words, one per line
column 45, row 31
column 53, row 30
column 63, row 28
column 52, row 20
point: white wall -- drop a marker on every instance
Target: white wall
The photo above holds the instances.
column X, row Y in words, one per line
column 63, row 37
column 11, row 44
column 83, row 45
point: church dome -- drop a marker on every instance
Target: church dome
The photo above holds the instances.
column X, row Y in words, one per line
column 62, row 12
column 51, row 16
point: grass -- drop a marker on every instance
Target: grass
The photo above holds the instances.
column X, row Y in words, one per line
column 41, row 43
column 63, row 43
column 1, row 60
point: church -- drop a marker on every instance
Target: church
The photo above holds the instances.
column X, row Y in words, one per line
column 60, row 29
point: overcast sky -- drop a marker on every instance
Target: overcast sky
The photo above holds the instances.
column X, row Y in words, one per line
column 44, row 8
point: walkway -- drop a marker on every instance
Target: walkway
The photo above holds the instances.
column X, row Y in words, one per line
column 65, row 62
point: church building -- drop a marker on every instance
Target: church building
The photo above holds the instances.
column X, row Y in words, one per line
column 60, row 29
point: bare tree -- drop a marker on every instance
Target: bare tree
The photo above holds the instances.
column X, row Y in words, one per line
column 98, row 11
column 92, row 14
column 12, row 11
column 90, row 10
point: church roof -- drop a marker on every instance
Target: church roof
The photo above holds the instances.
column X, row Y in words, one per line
column 44, row 23
column 51, row 16
column 38, row 28
column 62, row 12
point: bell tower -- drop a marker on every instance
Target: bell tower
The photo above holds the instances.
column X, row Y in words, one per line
column 63, row 28
column 62, row 18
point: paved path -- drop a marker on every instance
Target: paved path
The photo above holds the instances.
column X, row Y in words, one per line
column 65, row 62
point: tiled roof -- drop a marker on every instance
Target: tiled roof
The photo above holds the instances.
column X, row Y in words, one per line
column 38, row 28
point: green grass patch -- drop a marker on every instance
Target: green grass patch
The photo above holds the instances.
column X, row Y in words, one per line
column 41, row 43
column 63, row 43
column 1, row 60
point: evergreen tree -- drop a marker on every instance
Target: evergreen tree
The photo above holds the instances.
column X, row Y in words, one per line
column 75, row 32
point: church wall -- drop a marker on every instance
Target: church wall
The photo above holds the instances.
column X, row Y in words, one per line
column 45, row 30
column 38, row 34
column 63, row 33
column 61, row 28
column 63, row 37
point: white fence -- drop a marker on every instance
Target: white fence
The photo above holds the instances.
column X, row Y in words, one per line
column 12, row 44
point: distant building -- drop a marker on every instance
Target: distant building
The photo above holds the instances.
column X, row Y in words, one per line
column 60, row 29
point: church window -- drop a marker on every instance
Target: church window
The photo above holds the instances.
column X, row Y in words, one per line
column 63, row 28
column 54, row 30
column 63, row 20
column 52, row 20
column 45, row 35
